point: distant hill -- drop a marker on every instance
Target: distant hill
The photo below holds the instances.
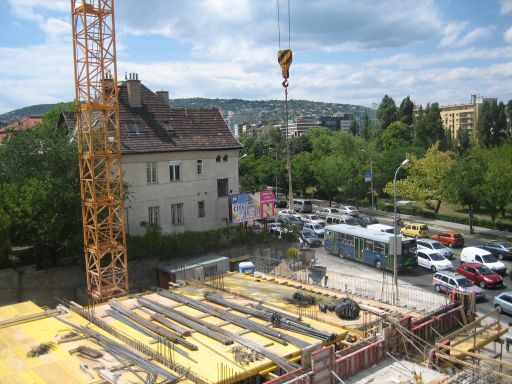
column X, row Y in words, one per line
column 18, row 114
column 250, row 111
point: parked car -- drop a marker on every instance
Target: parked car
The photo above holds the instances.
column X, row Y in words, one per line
column 290, row 220
column 364, row 221
column 430, row 259
column 448, row 281
column 450, row 238
column 340, row 219
column 279, row 203
column 277, row 228
column 348, row 210
column 504, row 302
column 435, row 245
column 478, row 255
column 308, row 238
column 302, row 205
column 312, row 218
column 288, row 212
column 381, row 228
column 480, row 275
column 500, row 249
column 415, row 230
column 317, row 229
column 323, row 212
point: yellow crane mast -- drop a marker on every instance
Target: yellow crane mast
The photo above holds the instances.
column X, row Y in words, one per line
column 99, row 148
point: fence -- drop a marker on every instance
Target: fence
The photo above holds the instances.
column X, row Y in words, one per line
column 382, row 290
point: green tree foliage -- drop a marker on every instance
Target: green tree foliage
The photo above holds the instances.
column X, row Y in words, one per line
column 387, row 112
column 492, row 127
column 328, row 175
column 428, row 127
column 366, row 127
column 40, row 192
column 426, row 178
column 302, row 173
column 353, row 127
column 405, row 111
column 463, row 141
column 396, row 135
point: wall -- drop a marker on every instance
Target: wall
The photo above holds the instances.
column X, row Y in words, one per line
column 189, row 190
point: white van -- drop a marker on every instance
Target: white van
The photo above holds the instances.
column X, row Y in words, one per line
column 302, row 205
column 340, row 219
column 381, row 228
column 478, row 255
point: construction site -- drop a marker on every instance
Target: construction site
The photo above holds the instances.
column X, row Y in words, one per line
column 274, row 324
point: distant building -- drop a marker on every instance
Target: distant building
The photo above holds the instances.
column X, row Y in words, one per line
column 304, row 123
column 28, row 122
column 463, row 116
column 180, row 164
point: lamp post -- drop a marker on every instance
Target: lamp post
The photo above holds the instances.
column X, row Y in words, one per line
column 371, row 178
column 395, row 259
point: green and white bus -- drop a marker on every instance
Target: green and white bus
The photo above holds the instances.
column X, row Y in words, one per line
column 370, row 247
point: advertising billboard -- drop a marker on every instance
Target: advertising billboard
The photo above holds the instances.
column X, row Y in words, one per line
column 251, row 206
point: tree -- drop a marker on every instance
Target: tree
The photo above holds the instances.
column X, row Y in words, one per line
column 396, row 135
column 492, row 127
column 387, row 112
column 327, row 173
column 366, row 127
column 406, row 111
column 353, row 127
column 426, row 178
column 302, row 174
column 428, row 127
column 498, row 191
column 463, row 140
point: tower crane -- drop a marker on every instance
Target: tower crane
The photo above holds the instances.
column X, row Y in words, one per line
column 99, row 148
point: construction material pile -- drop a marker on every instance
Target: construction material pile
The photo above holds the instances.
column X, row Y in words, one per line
column 346, row 308
column 41, row 349
column 302, row 300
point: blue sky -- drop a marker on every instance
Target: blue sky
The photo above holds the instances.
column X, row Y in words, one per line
column 343, row 51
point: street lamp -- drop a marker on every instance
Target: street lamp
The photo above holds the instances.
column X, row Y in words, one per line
column 371, row 178
column 395, row 259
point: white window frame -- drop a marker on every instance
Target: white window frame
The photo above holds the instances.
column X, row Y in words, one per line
column 152, row 172
column 177, row 216
column 173, row 165
column 199, row 166
column 201, row 209
column 154, row 216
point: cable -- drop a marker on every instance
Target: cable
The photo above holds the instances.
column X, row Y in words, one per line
column 289, row 25
column 278, row 24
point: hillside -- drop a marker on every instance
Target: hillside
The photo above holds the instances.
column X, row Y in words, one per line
column 252, row 111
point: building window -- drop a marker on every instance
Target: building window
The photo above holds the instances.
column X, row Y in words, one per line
column 222, row 187
column 177, row 214
column 200, row 209
column 199, row 167
column 151, row 174
column 175, row 170
column 134, row 127
column 154, row 216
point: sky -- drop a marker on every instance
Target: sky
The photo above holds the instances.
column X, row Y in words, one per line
column 344, row 51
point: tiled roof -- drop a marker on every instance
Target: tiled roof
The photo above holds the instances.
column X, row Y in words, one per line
column 167, row 129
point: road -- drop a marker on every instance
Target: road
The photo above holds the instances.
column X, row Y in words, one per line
column 419, row 277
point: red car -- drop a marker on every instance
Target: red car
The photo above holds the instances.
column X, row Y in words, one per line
column 480, row 275
column 450, row 238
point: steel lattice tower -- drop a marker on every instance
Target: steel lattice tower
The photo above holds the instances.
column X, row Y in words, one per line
column 99, row 148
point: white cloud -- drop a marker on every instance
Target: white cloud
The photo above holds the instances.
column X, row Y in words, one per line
column 455, row 35
column 508, row 35
column 505, row 6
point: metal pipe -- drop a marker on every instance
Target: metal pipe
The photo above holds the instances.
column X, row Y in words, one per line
column 395, row 260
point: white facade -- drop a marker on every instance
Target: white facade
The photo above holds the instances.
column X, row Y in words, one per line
column 156, row 199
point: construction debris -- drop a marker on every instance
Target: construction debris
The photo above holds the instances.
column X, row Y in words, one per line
column 302, row 300
column 41, row 349
column 245, row 356
column 347, row 309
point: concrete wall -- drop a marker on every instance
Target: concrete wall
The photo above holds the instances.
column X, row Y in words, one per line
column 189, row 190
column 44, row 286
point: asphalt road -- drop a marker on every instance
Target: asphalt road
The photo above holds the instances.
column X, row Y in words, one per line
column 419, row 277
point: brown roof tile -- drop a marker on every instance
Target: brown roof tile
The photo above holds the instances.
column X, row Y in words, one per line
column 191, row 129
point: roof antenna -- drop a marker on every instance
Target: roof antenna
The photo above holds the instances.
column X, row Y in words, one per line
column 125, row 76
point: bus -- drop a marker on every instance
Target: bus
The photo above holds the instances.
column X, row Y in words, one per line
column 370, row 247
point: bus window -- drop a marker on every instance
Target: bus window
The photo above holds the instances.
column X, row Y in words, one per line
column 349, row 240
column 378, row 247
column 368, row 245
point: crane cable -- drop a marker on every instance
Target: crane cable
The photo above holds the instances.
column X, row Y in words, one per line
column 284, row 57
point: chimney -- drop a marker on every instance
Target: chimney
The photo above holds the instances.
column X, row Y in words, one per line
column 133, row 85
column 473, row 99
column 164, row 96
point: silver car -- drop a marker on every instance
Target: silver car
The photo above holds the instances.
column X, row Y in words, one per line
column 504, row 302
column 436, row 246
column 348, row 210
column 317, row 229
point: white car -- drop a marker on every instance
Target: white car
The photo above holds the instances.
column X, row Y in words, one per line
column 478, row 255
column 381, row 228
column 436, row 246
column 348, row 210
column 317, row 229
column 324, row 212
column 286, row 212
column 433, row 260
column 277, row 228
column 312, row 218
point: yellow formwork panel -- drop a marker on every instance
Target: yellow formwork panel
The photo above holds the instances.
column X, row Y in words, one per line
column 19, row 309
